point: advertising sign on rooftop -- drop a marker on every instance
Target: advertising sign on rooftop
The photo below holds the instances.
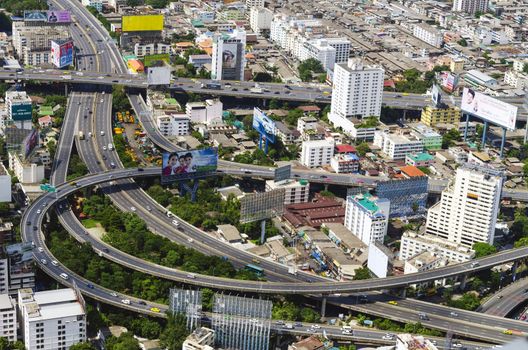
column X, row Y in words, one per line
column 62, row 53
column 489, row 109
column 35, row 16
column 142, row 23
column 59, row 17
column 30, row 142
column 21, row 111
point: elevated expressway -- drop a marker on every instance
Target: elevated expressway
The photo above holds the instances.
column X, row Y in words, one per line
column 89, row 291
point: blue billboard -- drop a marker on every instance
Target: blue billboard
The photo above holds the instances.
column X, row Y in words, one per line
column 62, row 53
column 264, row 125
column 187, row 165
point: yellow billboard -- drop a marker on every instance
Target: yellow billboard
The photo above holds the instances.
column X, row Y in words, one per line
column 142, row 23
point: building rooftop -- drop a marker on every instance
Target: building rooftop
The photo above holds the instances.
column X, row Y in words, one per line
column 345, row 149
column 421, row 157
column 229, row 232
column 411, row 342
column 367, row 201
column 411, row 171
column 344, row 235
column 6, row 302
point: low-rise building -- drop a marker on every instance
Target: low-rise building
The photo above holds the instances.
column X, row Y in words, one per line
column 54, row 319
column 198, row 61
column 310, row 343
column 5, row 185
column 142, row 50
column 306, row 123
column 516, row 79
column 413, row 243
column 207, row 112
column 344, row 238
column 286, row 134
column 317, row 153
column 413, row 342
column 397, row 146
column 477, row 78
column 200, row 339
column 430, row 35
column 431, row 116
column 424, row 261
column 25, row 172
column 345, row 163
column 260, row 19
column 296, row 191
column 430, row 138
column 419, row 159
column 229, row 233
column 173, row 125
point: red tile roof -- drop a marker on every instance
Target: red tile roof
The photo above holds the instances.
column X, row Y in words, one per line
column 412, row 171
column 345, row 149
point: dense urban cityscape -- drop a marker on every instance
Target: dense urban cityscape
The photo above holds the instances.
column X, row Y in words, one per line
column 259, row 175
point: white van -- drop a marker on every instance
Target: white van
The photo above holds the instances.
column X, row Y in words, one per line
column 64, row 276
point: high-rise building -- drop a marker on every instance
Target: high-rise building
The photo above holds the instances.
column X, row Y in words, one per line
column 321, row 51
column 397, row 146
column 21, row 267
column 8, row 318
column 254, row 3
column 357, row 92
column 470, row 6
column 260, row 19
column 241, row 323
column 428, row 34
column 19, row 109
column 53, row 319
column 467, row 211
column 367, row 217
column 317, row 153
column 229, row 55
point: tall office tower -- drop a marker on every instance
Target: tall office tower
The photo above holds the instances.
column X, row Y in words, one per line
column 467, row 211
column 188, row 303
column 357, row 92
column 367, row 217
column 229, row 55
column 470, row 6
column 54, row 319
column 241, row 323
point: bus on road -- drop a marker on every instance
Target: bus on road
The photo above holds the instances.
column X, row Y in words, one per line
column 256, row 269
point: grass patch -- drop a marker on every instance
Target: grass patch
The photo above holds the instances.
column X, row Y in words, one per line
column 90, row 223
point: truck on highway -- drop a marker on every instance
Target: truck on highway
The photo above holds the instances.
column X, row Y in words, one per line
column 81, row 135
column 256, row 90
column 292, row 270
column 66, row 77
column 212, row 86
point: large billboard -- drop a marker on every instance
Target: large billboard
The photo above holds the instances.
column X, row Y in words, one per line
column 58, row 17
column 264, row 125
column 261, row 206
column 62, row 53
column 230, row 60
column 489, row 108
column 185, row 165
column 450, row 81
column 30, row 142
column 35, row 16
column 159, row 75
column 435, row 95
column 22, row 111
column 142, row 23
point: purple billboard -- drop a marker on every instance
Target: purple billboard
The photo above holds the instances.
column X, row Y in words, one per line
column 30, row 142
column 59, row 17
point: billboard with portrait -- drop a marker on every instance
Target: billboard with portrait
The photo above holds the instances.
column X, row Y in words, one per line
column 58, row 17
column 62, row 53
column 186, row 165
column 435, row 95
column 30, row 142
column 264, row 125
column 489, row 108
column 229, row 55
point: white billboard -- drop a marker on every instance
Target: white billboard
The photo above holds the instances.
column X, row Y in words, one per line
column 489, row 108
column 158, row 75
column 378, row 261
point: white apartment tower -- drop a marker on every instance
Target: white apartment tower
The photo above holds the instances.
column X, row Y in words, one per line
column 320, row 50
column 317, row 153
column 8, row 318
column 470, row 6
column 367, row 217
column 254, row 3
column 260, row 19
column 51, row 320
column 357, row 91
column 467, row 211
column 229, row 55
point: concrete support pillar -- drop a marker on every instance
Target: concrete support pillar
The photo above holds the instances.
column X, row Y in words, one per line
column 323, row 306
column 514, row 270
column 404, row 292
column 65, row 89
column 463, row 282
column 326, row 187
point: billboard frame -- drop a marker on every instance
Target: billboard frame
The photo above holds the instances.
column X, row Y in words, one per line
column 483, row 107
column 265, row 126
column 140, row 23
column 262, row 205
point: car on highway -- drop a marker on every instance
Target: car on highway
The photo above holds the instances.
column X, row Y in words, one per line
column 388, row 336
column 104, row 148
column 453, row 314
column 133, row 208
column 191, row 275
column 40, row 249
column 154, row 309
column 91, row 286
column 190, row 240
column 38, row 211
column 141, row 302
column 126, row 301
column 43, row 261
column 500, row 296
column 64, row 276
column 423, row 316
column 392, row 302
column 54, row 263
column 175, row 223
column 149, row 208
column 316, row 326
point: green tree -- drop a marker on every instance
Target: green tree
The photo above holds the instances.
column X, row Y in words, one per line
column 449, row 138
column 462, row 42
column 175, row 332
column 525, row 68
column 522, row 242
column 362, row 274
column 4, row 208
column 274, row 104
column 362, row 149
column 348, row 347
column 468, row 301
column 262, row 77
column 125, row 341
column 483, row 249
column 83, row 346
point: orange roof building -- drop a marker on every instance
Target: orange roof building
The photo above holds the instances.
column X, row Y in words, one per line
column 136, row 66
column 184, row 45
column 412, row 171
